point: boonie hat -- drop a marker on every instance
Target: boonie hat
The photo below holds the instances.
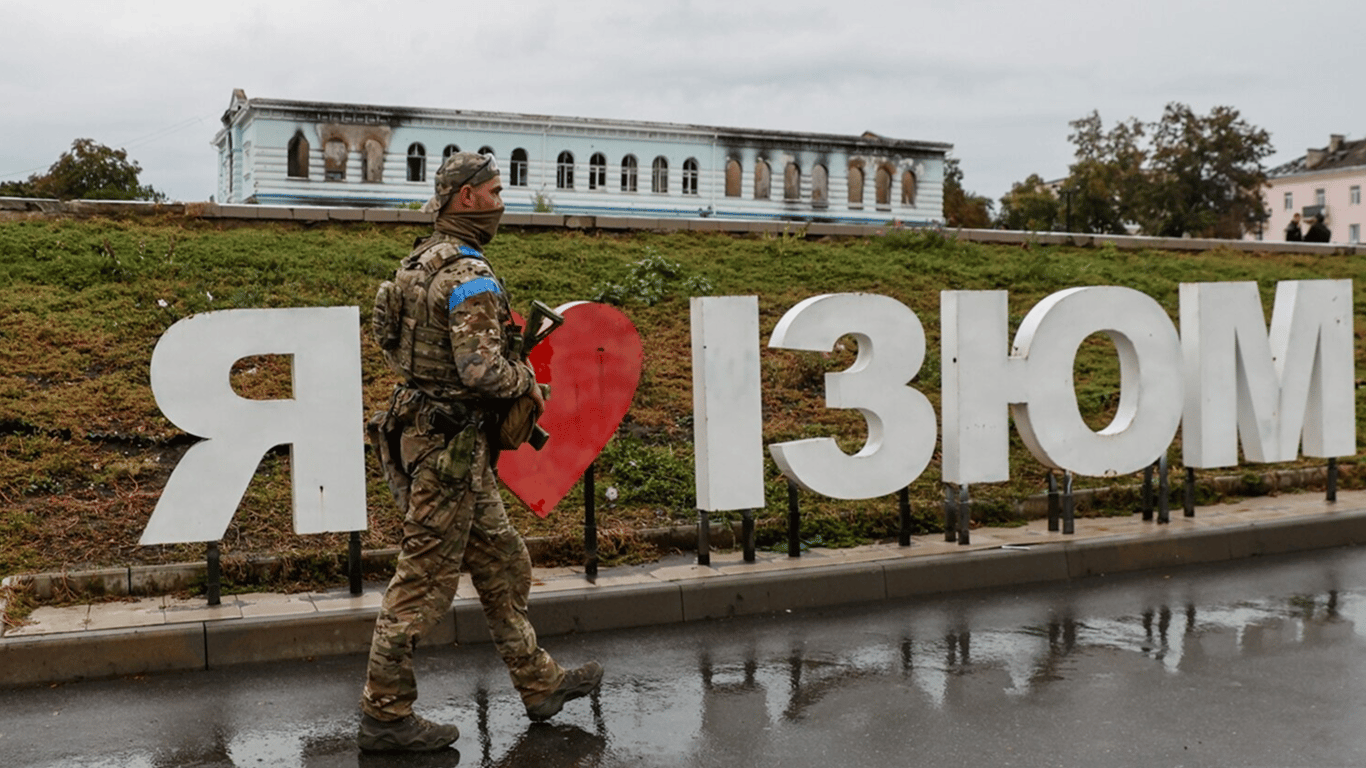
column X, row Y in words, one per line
column 455, row 172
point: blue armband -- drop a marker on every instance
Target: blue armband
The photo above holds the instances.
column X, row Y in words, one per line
column 471, row 289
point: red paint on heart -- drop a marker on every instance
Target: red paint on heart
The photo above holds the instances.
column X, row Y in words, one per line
column 592, row 364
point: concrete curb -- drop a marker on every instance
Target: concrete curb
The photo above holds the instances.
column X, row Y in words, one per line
column 702, row 593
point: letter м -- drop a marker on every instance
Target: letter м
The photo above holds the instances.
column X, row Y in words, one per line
column 322, row 423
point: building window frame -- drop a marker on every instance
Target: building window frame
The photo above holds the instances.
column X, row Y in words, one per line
column 597, row 171
column 1354, row 233
column 335, row 154
column 690, row 174
column 297, row 163
column 1289, row 200
column 517, row 168
column 1354, row 195
column 763, row 180
column 1320, row 197
column 417, row 162
column 659, row 175
column 564, row 170
column 735, row 174
column 629, row 174
column 448, row 151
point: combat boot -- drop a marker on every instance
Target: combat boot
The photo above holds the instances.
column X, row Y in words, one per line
column 407, row 734
column 577, row 682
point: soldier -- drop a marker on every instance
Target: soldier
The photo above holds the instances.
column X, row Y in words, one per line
column 444, row 324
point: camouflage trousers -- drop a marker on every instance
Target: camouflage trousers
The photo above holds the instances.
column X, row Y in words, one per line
column 455, row 517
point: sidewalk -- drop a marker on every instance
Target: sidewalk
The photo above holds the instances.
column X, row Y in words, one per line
column 161, row 634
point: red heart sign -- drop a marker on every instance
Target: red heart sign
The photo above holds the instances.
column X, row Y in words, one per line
column 592, row 364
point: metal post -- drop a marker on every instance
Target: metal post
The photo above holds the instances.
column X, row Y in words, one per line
column 794, row 522
column 903, row 498
column 1164, row 492
column 1069, row 506
column 353, row 567
column 1332, row 494
column 1147, row 504
column 950, row 514
column 213, row 575
column 703, row 537
column 590, row 524
column 1054, row 508
column 964, row 515
column 747, row 533
column 1189, row 496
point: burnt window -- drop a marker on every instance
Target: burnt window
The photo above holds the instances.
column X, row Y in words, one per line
column 372, row 161
column 690, row 176
column 884, row 185
column 792, row 182
column 855, row 185
column 597, row 171
column 517, row 169
column 417, row 162
column 820, row 186
column 907, row 188
column 659, row 176
column 733, row 175
column 564, row 171
column 298, row 156
column 449, row 150
column 763, row 179
column 628, row 173
column 334, row 160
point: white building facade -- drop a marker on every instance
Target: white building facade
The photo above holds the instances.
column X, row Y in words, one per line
column 278, row 152
column 1327, row 180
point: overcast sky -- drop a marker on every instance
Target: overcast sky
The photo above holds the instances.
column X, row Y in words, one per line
column 998, row 79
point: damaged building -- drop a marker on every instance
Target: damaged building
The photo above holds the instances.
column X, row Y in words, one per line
column 282, row 152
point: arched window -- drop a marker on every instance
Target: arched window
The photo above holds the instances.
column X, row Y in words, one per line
column 486, row 150
column 690, row 176
column 334, row 160
column 884, row 185
column 449, row 150
column 517, row 169
column 763, row 179
column 298, row 156
column 628, row 173
column 856, row 184
column 597, row 171
column 733, row 175
column 564, row 171
column 792, row 182
column 659, row 176
column 372, row 168
column 417, row 162
column 907, row 188
column 820, row 187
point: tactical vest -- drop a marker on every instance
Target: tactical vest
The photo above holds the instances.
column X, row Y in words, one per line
column 414, row 339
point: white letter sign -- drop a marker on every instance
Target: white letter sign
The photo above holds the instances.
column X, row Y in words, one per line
column 322, row 423
column 728, row 427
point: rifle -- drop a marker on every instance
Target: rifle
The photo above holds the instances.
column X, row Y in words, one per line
column 541, row 323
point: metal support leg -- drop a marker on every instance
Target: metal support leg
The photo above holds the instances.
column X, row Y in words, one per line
column 703, row 537
column 590, row 524
column 794, row 522
column 1054, row 508
column 1147, row 507
column 747, row 534
column 1188, row 498
column 950, row 514
column 353, row 567
column 1069, row 507
column 1332, row 494
column 1164, row 492
column 213, row 575
column 903, row 498
column 964, row 515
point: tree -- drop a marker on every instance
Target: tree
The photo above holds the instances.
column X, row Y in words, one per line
column 89, row 171
column 1030, row 205
column 1205, row 174
column 963, row 209
column 1107, row 177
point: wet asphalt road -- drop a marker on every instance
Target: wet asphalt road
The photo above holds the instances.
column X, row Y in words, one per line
column 1254, row 664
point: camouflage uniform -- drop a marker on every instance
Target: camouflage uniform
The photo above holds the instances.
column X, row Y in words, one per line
column 454, row 353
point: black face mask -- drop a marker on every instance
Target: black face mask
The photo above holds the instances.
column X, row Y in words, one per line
column 473, row 226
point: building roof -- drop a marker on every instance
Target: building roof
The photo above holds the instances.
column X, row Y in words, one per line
column 1339, row 154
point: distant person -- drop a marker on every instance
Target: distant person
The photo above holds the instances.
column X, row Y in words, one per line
column 1292, row 230
column 1318, row 233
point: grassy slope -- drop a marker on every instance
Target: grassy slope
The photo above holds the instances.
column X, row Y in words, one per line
column 84, row 450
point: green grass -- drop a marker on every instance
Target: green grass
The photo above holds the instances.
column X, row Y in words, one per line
column 84, row 450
